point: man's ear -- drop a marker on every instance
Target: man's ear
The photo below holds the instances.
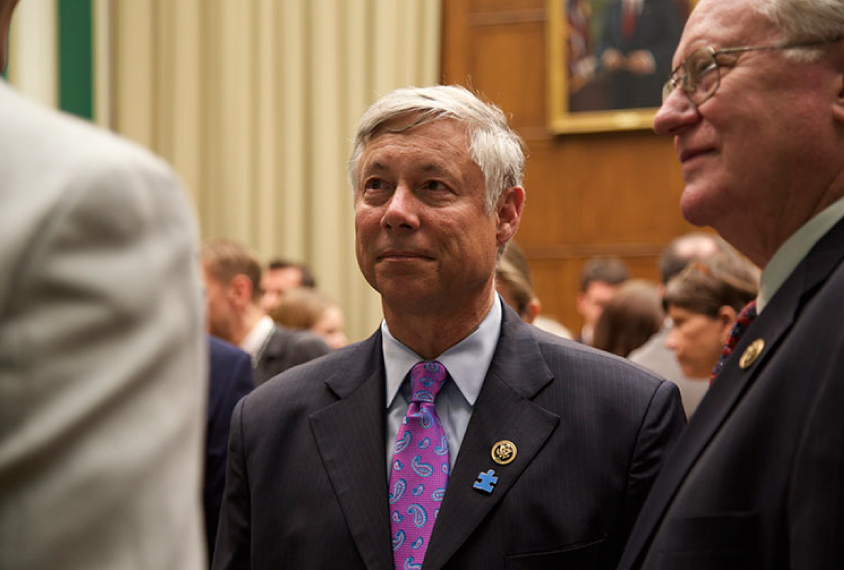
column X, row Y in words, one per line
column 509, row 213
column 239, row 290
column 580, row 301
column 532, row 310
column 838, row 102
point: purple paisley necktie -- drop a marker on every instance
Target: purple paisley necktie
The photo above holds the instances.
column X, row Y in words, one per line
column 420, row 468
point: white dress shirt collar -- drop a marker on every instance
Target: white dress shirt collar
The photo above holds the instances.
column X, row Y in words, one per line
column 255, row 341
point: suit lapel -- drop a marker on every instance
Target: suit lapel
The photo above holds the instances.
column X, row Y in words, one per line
column 350, row 437
column 502, row 412
column 733, row 382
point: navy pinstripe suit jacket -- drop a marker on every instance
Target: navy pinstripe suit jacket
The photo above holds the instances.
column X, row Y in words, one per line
column 307, row 481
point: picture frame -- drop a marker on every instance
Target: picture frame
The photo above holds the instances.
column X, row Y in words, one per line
column 592, row 89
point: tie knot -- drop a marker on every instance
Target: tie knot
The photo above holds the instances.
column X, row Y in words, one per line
column 426, row 379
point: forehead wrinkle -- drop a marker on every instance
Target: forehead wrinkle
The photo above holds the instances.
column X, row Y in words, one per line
column 424, row 150
column 434, row 168
column 428, row 167
column 724, row 25
column 376, row 166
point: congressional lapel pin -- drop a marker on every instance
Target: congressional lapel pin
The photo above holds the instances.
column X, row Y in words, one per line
column 751, row 353
column 504, row 452
column 486, row 481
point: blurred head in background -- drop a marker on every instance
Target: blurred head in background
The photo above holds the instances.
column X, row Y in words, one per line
column 599, row 280
column 630, row 318
column 308, row 309
column 281, row 276
column 703, row 301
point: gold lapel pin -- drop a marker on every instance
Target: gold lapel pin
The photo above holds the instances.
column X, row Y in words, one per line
column 504, row 452
column 751, row 353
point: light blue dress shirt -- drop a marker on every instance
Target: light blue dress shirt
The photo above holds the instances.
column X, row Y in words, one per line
column 467, row 363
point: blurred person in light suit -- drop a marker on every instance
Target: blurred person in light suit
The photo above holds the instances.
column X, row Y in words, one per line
column 103, row 360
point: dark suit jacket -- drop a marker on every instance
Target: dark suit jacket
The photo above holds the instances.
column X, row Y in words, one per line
column 230, row 378
column 757, row 480
column 307, row 477
column 285, row 349
column 657, row 30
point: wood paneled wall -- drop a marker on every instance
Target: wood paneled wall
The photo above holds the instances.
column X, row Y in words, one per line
column 587, row 194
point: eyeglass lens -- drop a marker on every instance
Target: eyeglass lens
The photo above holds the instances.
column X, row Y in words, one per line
column 698, row 76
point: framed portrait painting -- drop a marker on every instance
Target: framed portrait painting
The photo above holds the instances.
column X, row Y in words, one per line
column 608, row 61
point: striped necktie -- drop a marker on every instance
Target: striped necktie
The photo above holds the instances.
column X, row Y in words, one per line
column 746, row 316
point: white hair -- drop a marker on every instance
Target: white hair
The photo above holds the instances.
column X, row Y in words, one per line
column 805, row 20
column 493, row 145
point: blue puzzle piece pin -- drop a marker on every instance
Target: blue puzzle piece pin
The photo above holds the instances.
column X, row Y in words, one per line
column 486, row 481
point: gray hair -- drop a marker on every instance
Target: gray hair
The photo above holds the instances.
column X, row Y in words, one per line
column 805, row 20
column 494, row 146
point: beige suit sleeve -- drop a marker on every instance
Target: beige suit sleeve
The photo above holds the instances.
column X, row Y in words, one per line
column 102, row 366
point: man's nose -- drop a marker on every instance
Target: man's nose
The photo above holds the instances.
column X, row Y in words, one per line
column 402, row 209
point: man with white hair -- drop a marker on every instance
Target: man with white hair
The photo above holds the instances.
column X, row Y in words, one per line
column 456, row 435
column 755, row 105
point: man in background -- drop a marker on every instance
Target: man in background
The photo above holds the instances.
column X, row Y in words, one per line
column 756, row 110
column 230, row 378
column 519, row 448
column 232, row 273
column 599, row 280
column 281, row 276
column 103, row 363
column 654, row 354
column 513, row 282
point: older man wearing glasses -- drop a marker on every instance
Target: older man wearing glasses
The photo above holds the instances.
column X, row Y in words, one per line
column 755, row 106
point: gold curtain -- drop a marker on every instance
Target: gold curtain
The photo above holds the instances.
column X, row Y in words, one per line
column 255, row 102
column 33, row 45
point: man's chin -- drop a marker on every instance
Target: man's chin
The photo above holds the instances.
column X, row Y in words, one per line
column 696, row 206
column 405, row 274
column 410, row 297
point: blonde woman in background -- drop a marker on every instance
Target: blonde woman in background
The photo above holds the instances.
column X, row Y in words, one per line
column 308, row 309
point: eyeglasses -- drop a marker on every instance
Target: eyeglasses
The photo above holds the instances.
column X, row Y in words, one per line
column 700, row 72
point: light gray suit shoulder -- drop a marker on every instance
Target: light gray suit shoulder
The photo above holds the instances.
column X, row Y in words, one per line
column 102, row 356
